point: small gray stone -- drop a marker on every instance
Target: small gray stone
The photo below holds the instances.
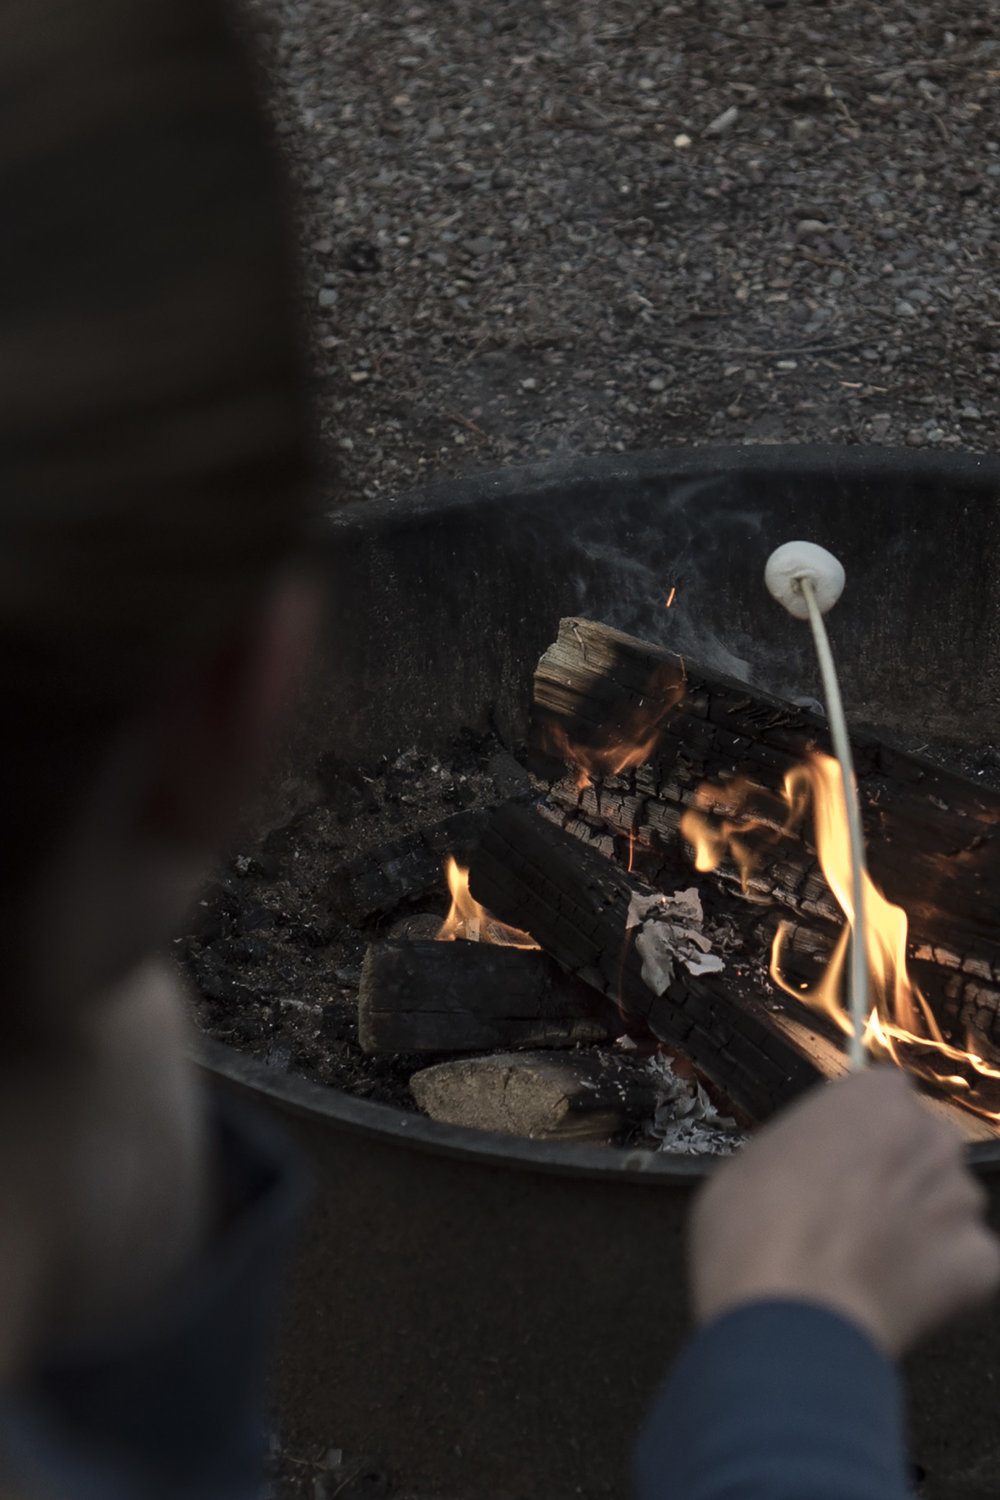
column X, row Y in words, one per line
column 806, row 227
column 328, row 296
column 657, row 384
column 905, row 309
column 723, row 122
column 436, row 131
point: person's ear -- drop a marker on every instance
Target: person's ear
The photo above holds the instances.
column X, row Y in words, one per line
column 215, row 729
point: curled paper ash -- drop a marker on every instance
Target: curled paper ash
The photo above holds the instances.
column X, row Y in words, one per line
column 670, row 932
column 686, row 1120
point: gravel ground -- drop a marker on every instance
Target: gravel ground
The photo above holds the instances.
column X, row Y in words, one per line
column 534, row 226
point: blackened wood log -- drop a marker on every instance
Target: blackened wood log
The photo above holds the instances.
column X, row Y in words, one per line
column 575, row 903
column 378, row 882
column 465, row 997
column 963, row 989
column 592, row 1097
column 933, row 837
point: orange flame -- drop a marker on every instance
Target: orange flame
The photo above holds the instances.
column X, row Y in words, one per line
column 749, row 820
column 468, row 919
column 902, row 1027
column 630, row 742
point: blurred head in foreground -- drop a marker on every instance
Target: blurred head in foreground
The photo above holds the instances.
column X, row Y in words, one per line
column 154, row 452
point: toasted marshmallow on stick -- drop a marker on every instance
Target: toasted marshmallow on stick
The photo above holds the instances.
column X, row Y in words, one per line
column 790, row 564
column 808, row 581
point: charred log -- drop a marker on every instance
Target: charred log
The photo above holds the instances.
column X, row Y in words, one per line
column 378, row 882
column 576, row 904
column 466, row 997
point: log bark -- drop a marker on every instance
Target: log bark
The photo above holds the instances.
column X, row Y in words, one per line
column 932, row 836
column 575, row 903
column 588, row 1097
column 466, row 997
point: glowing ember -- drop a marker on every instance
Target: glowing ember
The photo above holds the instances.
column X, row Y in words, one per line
column 468, row 919
column 901, row 1027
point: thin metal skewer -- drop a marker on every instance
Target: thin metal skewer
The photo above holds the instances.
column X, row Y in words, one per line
column 858, row 986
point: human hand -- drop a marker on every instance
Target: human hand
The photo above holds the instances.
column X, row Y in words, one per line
column 857, row 1199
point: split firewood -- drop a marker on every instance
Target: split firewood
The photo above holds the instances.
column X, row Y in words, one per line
column 591, row 1097
column 933, row 837
column 465, row 997
column 591, row 917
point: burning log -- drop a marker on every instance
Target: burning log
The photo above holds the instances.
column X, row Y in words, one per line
column 588, row 1097
column 932, row 836
column 578, row 906
column 378, row 882
column 466, row 997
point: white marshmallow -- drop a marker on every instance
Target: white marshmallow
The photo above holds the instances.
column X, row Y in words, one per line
column 789, row 564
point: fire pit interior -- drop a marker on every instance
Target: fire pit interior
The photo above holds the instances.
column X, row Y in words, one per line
column 652, row 950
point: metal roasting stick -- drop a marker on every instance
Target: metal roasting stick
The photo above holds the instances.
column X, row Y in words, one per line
column 808, row 580
column 858, row 989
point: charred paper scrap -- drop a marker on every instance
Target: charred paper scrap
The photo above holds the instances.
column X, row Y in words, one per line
column 686, row 1120
column 670, row 932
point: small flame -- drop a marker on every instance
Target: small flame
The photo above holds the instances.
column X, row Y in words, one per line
column 748, row 821
column 621, row 746
column 902, row 1027
column 468, row 919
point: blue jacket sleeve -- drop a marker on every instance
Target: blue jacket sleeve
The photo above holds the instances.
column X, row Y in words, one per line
column 172, row 1407
column 776, row 1401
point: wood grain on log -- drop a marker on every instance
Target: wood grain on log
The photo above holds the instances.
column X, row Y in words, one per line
column 465, row 997
column 591, row 1096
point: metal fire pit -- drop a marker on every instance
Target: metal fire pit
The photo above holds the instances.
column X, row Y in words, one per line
column 489, row 1316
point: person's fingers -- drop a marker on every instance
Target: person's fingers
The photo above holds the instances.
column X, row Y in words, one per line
column 967, row 1270
column 929, row 1157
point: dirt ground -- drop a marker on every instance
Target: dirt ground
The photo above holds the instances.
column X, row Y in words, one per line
column 542, row 226
column 534, row 226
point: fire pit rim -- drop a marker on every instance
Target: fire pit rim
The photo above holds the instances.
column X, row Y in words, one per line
column 533, row 480
column 399, row 1128
column 413, row 1131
